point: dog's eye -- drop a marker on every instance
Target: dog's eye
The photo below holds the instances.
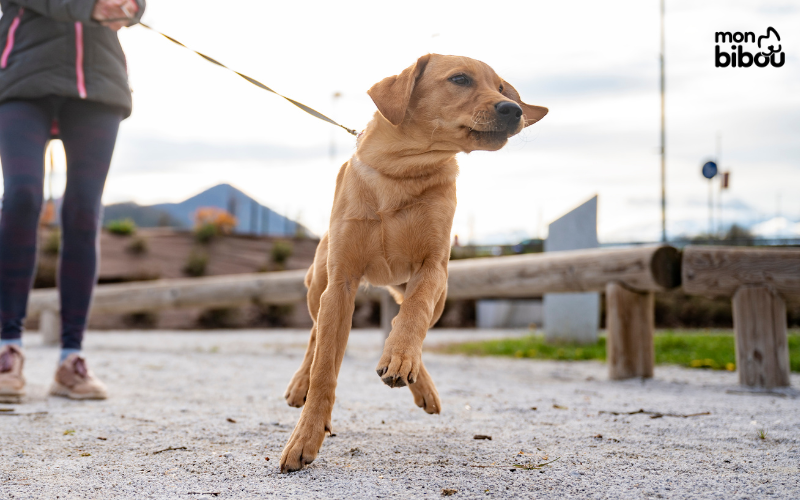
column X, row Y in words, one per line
column 501, row 89
column 459, row 79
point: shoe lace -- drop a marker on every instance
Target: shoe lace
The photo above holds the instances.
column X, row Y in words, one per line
column 6, row 361
column 80, row 367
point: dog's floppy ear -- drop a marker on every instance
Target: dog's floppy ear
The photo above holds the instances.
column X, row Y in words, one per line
column 391, row 95
column 530, row 113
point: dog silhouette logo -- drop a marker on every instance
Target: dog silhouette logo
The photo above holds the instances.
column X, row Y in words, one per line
column 767, row 50
column 767, row 38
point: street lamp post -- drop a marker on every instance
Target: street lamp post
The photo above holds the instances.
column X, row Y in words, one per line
column 663, row 140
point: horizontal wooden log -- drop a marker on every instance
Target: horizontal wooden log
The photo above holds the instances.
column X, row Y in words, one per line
column 641, row 268
column 649, row 268
column 218, row 291
column 720, row 271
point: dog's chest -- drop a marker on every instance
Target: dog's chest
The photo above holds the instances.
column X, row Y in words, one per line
column 399, row 243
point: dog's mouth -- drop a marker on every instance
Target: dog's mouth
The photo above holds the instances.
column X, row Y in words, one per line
column 488, row 136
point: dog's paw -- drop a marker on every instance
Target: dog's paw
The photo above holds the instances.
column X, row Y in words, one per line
column 304, row 444
column 399, row 367
column 297, row 390
column 425, row 394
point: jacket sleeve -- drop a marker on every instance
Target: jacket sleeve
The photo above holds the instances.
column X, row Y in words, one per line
column 61, row 10
column 138, row 16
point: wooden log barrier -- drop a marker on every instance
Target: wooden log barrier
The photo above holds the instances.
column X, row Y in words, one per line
column 643, row 269
column 630, row 324
column 757, row 280
column 762, row 348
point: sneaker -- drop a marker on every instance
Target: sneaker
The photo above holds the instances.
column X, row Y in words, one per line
column 12, row 383
column 75, row 381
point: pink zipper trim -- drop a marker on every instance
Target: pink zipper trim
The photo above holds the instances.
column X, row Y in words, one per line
column 81, row 80
column 10, row 40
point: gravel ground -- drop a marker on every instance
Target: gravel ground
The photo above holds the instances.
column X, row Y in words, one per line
column 196, row 415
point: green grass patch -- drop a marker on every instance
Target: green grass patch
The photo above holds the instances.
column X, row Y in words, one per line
column 121, row 227
column 694, row 349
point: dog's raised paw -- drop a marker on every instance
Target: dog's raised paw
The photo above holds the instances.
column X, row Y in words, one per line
column 394, row 381
column 297, row 391
column 397, row 368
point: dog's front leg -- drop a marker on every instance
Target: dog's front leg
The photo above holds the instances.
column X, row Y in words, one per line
column 401, row 361
column 333, row 328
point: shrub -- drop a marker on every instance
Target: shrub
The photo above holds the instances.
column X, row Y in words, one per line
column 196, row 265
column 274, row 316
column 220, row 317
column 52, row 243
column 138, row 246
column 210, row 222
column 205, row 233
column 121, row 227
column 142, row 319
column 281, row 251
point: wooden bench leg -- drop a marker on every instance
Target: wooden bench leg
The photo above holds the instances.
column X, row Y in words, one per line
column 630, row 322
column 50, row 327
column 762, row 348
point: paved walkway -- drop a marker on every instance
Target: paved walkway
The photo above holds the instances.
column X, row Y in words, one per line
column 195, row 415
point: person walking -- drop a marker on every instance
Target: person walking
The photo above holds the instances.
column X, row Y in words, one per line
column 62, row 73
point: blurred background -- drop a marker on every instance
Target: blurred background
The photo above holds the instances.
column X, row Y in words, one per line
column 596, row 66
column 202, row 138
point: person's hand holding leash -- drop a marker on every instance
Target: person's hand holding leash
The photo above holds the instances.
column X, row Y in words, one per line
column 115, row 14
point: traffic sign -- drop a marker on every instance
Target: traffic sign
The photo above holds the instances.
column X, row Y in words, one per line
column 709, row 170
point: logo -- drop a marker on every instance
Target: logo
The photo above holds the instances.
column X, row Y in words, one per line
column 767, row 49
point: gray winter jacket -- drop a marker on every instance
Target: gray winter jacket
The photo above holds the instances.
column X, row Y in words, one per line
column 53, row 47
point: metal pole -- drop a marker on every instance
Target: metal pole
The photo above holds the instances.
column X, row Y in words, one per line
column 336, row 96
column 720, row 229
column 663, row 140
column 710, row 209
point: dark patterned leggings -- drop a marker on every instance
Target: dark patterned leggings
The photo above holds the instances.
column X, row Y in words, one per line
column 88, row 131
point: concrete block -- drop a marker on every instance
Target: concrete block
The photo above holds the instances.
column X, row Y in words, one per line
column 573, row 316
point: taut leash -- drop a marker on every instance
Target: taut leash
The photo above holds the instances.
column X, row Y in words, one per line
column 310, row 111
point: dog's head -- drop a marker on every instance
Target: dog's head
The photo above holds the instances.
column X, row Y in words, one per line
column 455, row 100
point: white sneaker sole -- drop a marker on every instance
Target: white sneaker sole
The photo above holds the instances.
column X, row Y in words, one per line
column 63, row 391
column 11, row 397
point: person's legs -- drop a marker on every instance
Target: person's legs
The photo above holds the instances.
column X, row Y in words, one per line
column 24, row 132
column 88, row 131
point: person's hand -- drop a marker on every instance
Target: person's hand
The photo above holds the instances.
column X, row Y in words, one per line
column 114, row 14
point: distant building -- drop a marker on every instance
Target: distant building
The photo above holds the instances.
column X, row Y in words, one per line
column 251, row 216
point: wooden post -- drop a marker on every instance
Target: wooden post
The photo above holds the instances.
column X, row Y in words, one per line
column 389, row 309
column 762, row 348
column 50, row 327
column 630, row 322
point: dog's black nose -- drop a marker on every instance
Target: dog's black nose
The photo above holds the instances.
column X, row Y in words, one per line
column 509, row 112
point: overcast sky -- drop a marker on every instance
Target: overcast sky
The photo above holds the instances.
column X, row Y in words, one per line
column 594, row 64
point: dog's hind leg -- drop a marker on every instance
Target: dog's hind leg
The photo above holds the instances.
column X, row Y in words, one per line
column 316, row 281
column 425, row 394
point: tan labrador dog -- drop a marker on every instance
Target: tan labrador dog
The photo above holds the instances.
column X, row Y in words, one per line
column 390, row 226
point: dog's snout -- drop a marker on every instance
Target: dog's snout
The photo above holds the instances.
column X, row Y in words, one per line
column 509, row 112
